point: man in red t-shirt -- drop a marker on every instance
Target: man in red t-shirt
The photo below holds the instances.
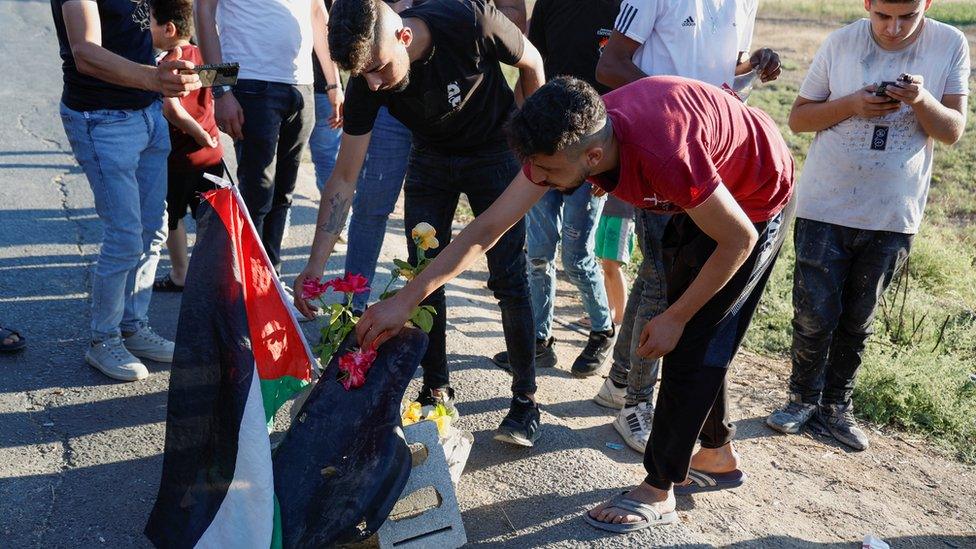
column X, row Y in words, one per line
column 196, row 148
column 670, row 145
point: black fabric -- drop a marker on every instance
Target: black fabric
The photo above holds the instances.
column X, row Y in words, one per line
column 212, row 372
column 692, row 402
column 319, row 82
column 183, row 190
column 571, row 34
column 125, row 32
column 343, row 461
column 458, row 99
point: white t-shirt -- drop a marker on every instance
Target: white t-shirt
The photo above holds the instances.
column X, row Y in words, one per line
column 698, row 39
column 271, row 39
column 874, row 173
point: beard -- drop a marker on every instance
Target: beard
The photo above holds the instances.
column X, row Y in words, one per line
column 401, row 85
column 581, row 178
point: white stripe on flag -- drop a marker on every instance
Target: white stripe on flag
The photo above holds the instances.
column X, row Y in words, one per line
column 246, row 516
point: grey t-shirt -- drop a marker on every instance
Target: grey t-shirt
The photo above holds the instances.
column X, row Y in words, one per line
column 874, row 173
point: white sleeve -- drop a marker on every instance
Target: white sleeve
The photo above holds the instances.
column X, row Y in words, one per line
column 747, row 26
column 958, row 81
column 816, row 84
column 636, row 19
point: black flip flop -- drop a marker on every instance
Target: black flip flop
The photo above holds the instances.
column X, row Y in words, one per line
column 166, row 284
column 11, row 347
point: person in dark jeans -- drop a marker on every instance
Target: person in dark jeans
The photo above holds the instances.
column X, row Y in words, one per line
column 863, row 189
column 270, row 112
column 729, row 197
column 435, row 67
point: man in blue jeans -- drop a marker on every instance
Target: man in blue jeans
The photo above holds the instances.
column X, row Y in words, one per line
column 570, row 37
column 436, row 68
column 113, row 119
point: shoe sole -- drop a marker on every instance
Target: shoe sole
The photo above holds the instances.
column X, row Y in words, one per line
column 167, row 359
column 626, row 436
column 582, row 375
column 602, row 401
column 95, row 365
column 783, row 429
column 518, row 441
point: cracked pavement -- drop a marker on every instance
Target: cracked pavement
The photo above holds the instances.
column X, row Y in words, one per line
column 80, row 455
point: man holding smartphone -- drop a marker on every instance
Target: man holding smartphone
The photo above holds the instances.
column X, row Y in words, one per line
column 114, row 121
column 863, row 191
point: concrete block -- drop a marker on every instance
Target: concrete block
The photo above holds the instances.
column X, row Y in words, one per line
column 427, row 514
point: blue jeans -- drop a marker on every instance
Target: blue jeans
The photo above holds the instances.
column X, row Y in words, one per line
column 123, row 153
column 648, row 298
column 839, row 276
column 433, row 185
column 278, row 119
column 323, row 144
column 379, row 186
column 572, row 220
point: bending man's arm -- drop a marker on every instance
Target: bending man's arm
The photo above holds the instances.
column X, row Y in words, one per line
column 532, row 74
column 385, row 319
column 722, row 219
column 333, row 208
column 84, row 30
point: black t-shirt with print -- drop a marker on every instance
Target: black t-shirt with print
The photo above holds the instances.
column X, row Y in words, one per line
column 571, row 34
column 458, row 100
column 125, row 32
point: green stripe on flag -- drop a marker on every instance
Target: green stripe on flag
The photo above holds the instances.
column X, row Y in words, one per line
column 275, row 392
column 276, row 537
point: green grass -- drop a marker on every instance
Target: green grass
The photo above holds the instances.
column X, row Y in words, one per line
column 954, row 12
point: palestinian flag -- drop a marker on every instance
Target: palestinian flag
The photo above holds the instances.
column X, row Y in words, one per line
column 239, row 356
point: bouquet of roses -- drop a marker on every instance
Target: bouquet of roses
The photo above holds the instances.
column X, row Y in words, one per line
column 341, row 320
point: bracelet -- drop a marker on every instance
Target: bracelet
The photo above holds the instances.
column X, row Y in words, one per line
column 332, row 87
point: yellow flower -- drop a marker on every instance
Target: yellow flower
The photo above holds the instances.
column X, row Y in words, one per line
column 425, row 236
column 406, row 274
column 443, row 424
column 413, row 414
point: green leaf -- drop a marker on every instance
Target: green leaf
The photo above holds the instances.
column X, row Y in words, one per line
column 423, row 319
column 403, row 264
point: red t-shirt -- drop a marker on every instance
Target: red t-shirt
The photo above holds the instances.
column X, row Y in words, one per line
column 679, row 138
column 186, row 154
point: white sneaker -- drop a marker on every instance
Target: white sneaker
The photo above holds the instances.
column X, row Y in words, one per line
column 148, row 344
column 112, row 359
column 611, row 396
column 634, row 425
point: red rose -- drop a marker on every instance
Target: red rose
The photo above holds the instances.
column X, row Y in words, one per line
column 312, row 288
column 355, row 365
column 350, row 284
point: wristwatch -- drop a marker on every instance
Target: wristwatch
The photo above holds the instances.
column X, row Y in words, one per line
column 219, row 91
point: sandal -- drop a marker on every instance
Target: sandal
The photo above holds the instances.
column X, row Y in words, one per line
column 700, row 481
column 649, row 515
column 166, row 284
column 14, row 346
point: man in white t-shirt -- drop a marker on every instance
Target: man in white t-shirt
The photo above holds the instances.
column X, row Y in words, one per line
column 270, row 112
column 708, row 40
column 863, row 191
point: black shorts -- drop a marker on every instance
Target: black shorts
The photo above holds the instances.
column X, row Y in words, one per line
column 183, row 189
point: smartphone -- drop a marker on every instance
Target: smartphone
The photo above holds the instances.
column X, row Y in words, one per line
column 220, row 74
column 880, row 92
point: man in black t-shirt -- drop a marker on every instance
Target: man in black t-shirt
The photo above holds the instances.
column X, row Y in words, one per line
column 436, row 69
column 113, row 119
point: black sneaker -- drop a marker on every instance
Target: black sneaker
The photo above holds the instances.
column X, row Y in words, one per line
column 791, row 418
column 443, row 395
column 521, row 425
column 837, row 420
column 595, row 354
column 545, row 356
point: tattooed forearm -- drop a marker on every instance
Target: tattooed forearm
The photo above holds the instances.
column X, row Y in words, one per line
column 340, row 209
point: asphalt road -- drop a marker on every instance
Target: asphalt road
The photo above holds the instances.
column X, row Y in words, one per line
column 80, row 455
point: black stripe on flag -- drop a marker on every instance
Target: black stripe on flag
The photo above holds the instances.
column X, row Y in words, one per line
column 212, row 371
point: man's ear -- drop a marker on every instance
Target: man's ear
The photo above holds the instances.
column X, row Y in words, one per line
column 594, row 155
column 170, row 30
column 405, row 36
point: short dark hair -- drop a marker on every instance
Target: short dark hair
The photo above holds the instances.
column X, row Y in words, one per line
column 354, row 32
column 177, row 12
column 558, row 116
